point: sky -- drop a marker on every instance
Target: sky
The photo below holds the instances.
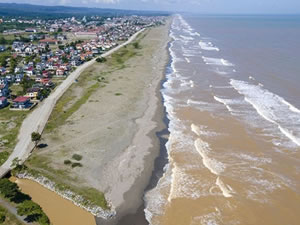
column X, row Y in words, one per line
column 198, row 6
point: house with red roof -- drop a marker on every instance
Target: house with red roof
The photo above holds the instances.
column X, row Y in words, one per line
column 21, row 103
column 49, row 41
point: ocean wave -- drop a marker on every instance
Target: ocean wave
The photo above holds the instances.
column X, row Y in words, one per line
column 202, row 131
column 208, row 46
column 187, row 60
column 225, row 102
column 227, row 191
column 272, row 108
column 214, row 166
column 186, row 38
column 216, row 61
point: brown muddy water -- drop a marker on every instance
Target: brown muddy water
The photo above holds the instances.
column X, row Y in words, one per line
column 232, row 99
column 59, row 210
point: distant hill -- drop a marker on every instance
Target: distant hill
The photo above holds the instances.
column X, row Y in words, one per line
column 33, row 11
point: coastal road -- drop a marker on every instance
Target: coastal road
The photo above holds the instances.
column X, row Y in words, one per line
column 36, row 121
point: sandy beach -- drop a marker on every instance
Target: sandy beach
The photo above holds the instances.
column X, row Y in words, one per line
column 115, row 129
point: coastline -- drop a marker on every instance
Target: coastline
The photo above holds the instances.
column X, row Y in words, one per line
column 131, row 211
column 134, row 160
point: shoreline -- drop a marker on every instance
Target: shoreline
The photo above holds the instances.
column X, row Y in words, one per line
column 133, row 213
column 127, row 196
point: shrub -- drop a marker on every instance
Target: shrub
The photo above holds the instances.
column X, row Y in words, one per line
column 118, row 94
column 67, row 162
column 2, row 217
column 101, row 59
column 76, row 165
column 136, row 45
column 77, row 157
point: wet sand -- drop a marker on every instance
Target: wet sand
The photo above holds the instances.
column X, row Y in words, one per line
column 60, row 211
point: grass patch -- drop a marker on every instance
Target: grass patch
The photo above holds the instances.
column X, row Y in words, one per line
column 3, row 157
column 9, row 134
column 118, row 94
column 59, row 115
column 15, row 89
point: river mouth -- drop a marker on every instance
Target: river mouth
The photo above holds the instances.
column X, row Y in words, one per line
column 59, row 210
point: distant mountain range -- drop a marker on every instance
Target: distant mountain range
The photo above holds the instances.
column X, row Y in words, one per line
column 28, row 10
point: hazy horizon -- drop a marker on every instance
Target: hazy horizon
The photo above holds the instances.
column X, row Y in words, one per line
column 246, row 7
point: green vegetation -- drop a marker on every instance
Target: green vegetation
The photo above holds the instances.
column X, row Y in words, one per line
column 4, row 56
column 101, row 60
column 118, row 94
column 3, row 157
column 10, row 122
column 76, row 165
column 77, row 157
column 26, row 83
column 25, row 206
column 6, row 218
column 136, row 45
column 35, row 137
column 33, row 212
column 67, row 162
column 59, row 115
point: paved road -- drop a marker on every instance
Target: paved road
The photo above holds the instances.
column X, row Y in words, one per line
column 36, row 121
column 13, row 211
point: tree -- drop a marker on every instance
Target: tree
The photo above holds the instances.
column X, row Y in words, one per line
column 43, row 93
column 101, row 60
column 2, row 217
column 64, row 59
column 26, row 83
column 8, row 188
column 13, row 64
column 61, row 47
column 33, row 212
column 29, row 208
column 35, row 137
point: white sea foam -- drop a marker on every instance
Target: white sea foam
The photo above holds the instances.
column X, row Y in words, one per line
column 225, row 102
column 193, row 102
column 227, row 191
column 196, row 129
column 187, row 60
column 185, row 185
column 216, row 61
column 220, row 72
column 221, row 87
column 272, row 108
column 186, row 38
column 291, row 107
column 211, row 164
column 212, row 218
column 208, row 46
column 255, row 159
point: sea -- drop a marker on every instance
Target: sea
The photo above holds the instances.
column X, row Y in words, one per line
column 232, row 96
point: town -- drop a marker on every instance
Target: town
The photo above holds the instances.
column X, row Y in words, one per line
column 39, row 54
